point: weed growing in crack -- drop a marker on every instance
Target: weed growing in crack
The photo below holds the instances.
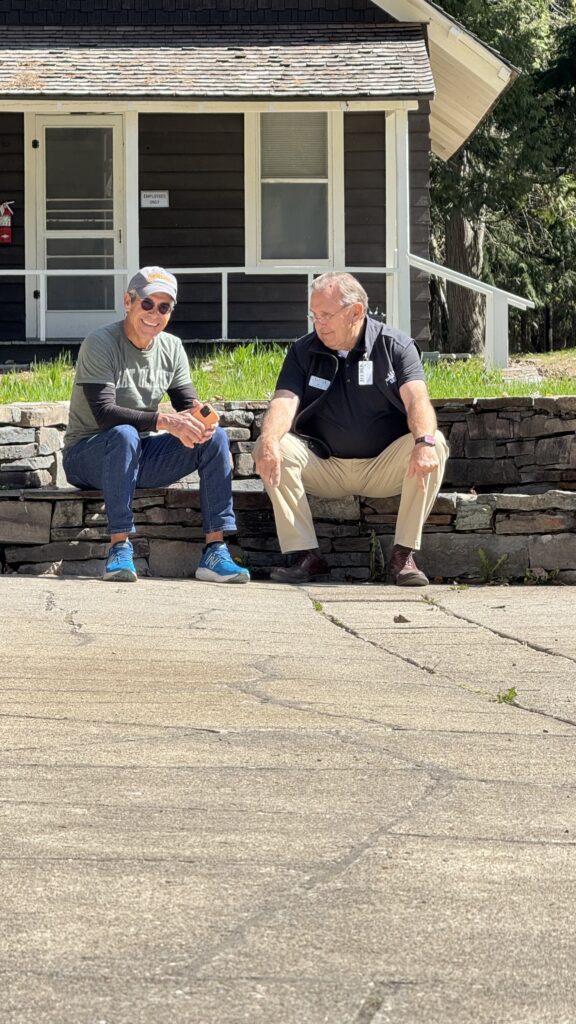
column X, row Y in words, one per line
column 489, row 571
column 541, row 577
column 317, row 606
column 506, row 696
column 377, row 561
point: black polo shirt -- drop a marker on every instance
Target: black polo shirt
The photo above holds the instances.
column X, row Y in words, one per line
column 355, row 420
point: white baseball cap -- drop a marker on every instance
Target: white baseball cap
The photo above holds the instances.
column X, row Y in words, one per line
column 150, row 280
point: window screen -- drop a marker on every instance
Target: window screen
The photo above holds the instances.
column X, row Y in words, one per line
column 294, row 145
column 294, row 186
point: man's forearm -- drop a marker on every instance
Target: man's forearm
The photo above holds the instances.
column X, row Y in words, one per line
column 279, row 418
column 421, row 417
column 277, row 422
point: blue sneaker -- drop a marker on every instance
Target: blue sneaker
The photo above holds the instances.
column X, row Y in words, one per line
column 217, row 566
column 119, row 564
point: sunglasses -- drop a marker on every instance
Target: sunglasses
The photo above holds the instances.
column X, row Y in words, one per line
column 162, row 307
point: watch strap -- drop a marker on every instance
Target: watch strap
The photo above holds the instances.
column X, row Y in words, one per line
column 428, row 439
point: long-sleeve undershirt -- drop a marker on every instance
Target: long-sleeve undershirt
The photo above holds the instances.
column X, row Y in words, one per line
column 102, row 401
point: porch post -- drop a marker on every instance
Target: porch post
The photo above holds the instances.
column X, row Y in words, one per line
column 31, row 283
column 131, row 193
column 496, row 339
column 398, row 311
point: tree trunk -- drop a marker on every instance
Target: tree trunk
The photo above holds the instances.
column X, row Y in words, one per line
column 465, row 253
column 548, row 328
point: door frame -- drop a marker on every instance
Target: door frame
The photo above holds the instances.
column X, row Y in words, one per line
column 126, row 234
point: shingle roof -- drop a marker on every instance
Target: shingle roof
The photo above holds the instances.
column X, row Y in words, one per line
column 287, row 61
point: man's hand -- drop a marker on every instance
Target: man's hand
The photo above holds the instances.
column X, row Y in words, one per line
column 185, row 426
column 268, row 460
column 423, row 461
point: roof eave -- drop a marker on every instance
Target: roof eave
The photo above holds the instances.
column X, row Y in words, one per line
column 218, row 97
column 480, row 75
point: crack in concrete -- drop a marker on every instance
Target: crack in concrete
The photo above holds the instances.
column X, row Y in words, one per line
column 303, row 707
column 237, row 935
column 199, row 621
column 462, row 686
column 369, row 1011
column 505, row 636
column 51, row 605
column 372, row 1002
column 116, row 723
column 542, row 714
column 489, row 840
column 227, row 767
column 379, row 647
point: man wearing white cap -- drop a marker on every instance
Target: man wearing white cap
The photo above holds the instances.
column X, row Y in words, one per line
column 111, row 444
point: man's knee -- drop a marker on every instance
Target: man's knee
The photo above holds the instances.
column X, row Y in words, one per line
column 442, row 450
column 125, row 436
column 216, row 451
column 442, row 444
column 220, row 439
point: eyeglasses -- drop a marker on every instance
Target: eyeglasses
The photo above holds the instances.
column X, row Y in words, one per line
column 162, row 307
column 317, row 317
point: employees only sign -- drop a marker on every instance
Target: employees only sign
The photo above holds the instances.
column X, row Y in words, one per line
column 158, row 197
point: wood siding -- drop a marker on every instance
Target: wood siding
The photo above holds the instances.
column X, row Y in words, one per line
column 269, row 306
column 199, row 158
column 365, row 201
column 365, row 210
column 12, row 289
column 194, row 12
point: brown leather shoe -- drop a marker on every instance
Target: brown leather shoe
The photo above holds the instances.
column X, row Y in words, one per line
column 403, row 568
column 307, row 566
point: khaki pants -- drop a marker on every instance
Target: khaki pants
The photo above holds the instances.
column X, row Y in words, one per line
column 380, row 477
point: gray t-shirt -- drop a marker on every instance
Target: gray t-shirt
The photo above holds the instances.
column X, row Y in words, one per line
column 141, row 376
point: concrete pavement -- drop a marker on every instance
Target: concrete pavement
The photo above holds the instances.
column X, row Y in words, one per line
column 286, row 805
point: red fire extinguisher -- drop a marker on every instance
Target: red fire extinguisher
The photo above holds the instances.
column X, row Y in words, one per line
column 6, row 214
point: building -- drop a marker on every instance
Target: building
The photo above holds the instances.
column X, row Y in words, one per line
column 245, row 144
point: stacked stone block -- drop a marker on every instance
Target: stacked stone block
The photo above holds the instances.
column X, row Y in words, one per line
column 520, row 443
column 511, row 512
column 31, row 439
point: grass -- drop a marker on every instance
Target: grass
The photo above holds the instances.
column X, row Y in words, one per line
column 244, row 372
column 250, row 372
column 472, row 380
column 46, row 382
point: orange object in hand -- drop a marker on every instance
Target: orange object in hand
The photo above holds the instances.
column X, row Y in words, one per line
column 206, row 414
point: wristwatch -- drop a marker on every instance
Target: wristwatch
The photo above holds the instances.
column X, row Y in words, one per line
column 428, row 439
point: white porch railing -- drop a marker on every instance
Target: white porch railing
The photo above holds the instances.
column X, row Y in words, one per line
column 309, row 272
column 498, row 301
column 497, row 304
column 42, row 276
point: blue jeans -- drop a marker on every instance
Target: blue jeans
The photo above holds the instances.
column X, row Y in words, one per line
column 119, row 460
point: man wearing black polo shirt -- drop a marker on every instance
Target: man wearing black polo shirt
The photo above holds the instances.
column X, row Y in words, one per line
column 350, row 415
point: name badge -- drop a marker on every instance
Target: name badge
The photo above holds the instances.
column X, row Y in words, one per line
column 319, row 382
column 366, row 372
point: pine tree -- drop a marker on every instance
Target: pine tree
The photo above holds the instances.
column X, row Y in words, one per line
column 499, row 201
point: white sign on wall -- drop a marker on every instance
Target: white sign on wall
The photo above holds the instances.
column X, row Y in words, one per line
column 159, row 197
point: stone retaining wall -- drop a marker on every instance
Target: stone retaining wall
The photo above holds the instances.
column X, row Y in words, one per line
column 508, row 508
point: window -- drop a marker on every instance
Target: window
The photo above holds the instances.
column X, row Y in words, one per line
column 294, row 187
